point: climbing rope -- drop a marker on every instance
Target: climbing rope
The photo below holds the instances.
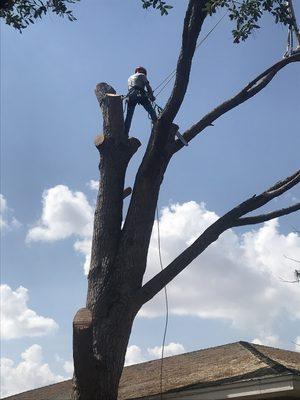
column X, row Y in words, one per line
column 166, row 305
column 171, row 75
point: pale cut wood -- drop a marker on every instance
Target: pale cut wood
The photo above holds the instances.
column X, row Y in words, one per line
column 84, row 362
column 98, row 141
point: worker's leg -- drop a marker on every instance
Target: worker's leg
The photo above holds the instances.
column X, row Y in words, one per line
column 130, row 110
column 150, row 110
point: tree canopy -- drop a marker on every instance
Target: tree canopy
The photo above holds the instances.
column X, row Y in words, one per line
column 21, row 13
column 245, row 14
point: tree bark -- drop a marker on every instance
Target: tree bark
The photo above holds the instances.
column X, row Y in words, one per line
column 119, row 253
column 101, row 331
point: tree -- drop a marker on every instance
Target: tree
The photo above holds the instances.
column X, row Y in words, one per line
column 21, row 13
column 119, row 251
column 246, row 13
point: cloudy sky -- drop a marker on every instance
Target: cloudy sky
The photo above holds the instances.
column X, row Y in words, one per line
column 239, row 288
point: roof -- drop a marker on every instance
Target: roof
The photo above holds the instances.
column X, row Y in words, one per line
column 236, row 362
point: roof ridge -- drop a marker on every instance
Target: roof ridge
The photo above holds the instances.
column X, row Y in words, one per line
column 275, row 365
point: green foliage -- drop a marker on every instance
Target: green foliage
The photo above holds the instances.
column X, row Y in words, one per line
column 21, row 13
column 247, row 13
column 157, row 4
column 244, row 13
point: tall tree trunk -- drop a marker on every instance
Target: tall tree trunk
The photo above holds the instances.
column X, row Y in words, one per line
column 99, row 354
column 101, row 331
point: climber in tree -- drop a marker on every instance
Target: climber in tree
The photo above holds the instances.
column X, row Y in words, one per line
column 138, row 95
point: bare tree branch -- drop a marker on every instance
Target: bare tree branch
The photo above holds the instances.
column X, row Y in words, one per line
column 257, row 219
column 211, row 234
column 250, row 90
column 276, row 190
column 193, row 21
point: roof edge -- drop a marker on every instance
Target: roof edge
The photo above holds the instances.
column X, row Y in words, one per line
column 275, row 365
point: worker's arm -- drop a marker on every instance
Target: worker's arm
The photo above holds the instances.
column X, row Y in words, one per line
column 150, row 91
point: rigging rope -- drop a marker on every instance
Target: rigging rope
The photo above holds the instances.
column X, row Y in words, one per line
column 165, row 82
column 167, row 308
column 173, row 73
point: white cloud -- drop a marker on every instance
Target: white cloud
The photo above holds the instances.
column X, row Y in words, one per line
column 271, row 340
column 93, row 185
column 84, row 247
column 134, row 355
column 65, row 213
column 237, row 279
column 3, row 210
column 170, row 350
column 69, row 368
column 30, row 373
column 17, row 320
column 7, row 221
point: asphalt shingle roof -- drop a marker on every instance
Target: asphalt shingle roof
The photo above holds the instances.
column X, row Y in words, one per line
column 214, row 366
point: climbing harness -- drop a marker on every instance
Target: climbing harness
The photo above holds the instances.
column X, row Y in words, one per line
column 137, row 93
column 293, row 32
column 167, row 80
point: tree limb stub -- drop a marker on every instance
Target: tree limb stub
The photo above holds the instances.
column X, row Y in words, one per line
column 211, row 234
column 127, row 192
column 84, row 363
column 250, row 90
column 112, row 111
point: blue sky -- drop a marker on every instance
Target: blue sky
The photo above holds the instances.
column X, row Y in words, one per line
column 49, row 118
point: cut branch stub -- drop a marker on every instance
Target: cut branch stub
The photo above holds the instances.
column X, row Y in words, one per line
column 112, row 111
column 82, row 319
column 127, row 192
column 84, row 362
column 82, row 337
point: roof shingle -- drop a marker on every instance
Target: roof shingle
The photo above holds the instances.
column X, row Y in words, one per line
column 228, row 363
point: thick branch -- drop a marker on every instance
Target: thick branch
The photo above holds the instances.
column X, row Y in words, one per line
column 250, row 90
column 211, row 234
column 193, row 21
column 138, row 224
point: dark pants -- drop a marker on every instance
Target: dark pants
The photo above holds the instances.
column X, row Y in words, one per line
column 138, row 97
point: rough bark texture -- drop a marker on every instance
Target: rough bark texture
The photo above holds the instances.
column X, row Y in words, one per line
column 103, row 343
column 119, row 253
